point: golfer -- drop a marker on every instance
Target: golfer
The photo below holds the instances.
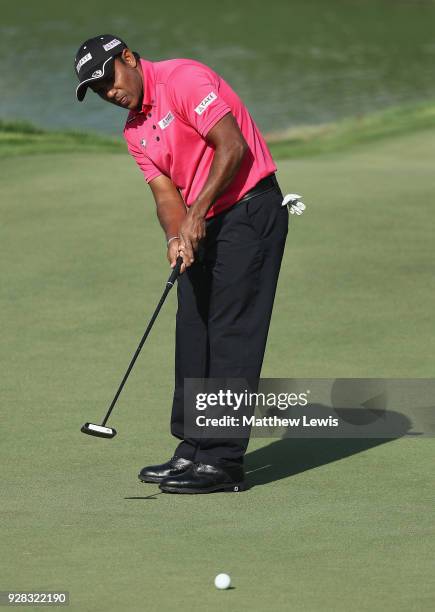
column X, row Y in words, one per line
column 220, row 207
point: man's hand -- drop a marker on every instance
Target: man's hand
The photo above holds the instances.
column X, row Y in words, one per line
column 192, row 231
column 173, row 253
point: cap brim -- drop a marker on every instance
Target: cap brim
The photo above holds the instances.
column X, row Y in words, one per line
column 107, row 70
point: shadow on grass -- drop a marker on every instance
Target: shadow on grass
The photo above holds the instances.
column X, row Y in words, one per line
column 292, row 455
column 151, row 496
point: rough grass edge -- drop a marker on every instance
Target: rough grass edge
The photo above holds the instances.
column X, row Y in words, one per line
column 23, row 138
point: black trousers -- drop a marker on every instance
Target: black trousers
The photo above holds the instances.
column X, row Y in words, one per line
column 225, row 302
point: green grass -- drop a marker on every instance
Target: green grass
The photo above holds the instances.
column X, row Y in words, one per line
column 17, row 138
column 23, row 138
column 341, row 525
column 352, row 131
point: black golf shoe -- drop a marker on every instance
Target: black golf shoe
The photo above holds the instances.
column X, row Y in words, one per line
column 172, row 468
column 202, row 478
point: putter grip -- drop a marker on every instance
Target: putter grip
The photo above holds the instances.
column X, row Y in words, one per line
column 175, row 272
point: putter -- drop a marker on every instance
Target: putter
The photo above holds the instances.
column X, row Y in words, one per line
column 101, row 431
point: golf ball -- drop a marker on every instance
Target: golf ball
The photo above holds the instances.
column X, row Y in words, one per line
column 222, row 581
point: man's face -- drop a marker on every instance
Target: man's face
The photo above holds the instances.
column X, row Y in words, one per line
column 125, row 87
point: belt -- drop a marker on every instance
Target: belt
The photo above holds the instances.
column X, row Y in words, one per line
column 266, row 184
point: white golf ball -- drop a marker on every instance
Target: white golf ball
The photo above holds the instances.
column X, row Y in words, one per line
column 222, row 581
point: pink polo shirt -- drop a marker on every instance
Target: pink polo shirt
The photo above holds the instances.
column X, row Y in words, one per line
column 183, row 99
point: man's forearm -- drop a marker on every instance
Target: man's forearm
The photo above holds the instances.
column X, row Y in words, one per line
column 171, row 214
column 225, row 165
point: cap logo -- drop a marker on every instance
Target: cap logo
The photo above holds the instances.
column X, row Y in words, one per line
column 96, row 74
column 113, row 43
column 84, row 59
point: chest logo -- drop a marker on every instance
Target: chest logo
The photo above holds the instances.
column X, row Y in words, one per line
column 143, row 143
column 163, row 123
column 206, row 102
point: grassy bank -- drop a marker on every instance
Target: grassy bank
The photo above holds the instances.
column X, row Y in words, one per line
column 21, row 138
column 352, row 131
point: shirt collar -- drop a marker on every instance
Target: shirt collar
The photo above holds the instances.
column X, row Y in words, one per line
column 149, row 89
column 149, row 83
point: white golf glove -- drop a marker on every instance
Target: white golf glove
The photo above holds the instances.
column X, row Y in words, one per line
column 294, row 204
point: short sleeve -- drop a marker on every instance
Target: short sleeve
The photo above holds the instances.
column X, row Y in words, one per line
column 149, row 170
column 194, row 91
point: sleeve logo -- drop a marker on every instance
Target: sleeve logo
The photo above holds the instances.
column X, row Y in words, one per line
column 84, row 59
column 113, row 43
column 206, row 102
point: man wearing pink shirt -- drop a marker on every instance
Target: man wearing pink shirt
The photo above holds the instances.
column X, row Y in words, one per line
column 220, row 207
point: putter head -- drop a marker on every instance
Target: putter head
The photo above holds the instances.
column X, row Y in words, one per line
column 98, row 430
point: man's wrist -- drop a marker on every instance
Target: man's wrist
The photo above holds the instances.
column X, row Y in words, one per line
column 170, row 239
column 199, row 209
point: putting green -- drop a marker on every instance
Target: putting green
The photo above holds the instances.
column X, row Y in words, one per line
column 327, row 525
